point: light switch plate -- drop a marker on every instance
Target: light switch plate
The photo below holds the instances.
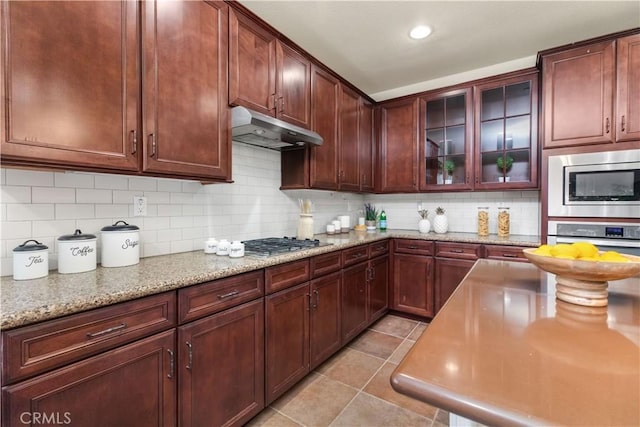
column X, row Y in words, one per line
column 139, row 206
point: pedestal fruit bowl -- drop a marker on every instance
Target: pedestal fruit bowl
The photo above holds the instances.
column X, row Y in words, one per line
column 584, row 281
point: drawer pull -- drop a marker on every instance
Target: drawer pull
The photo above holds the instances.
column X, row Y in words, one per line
column 510, row 255
column 315, row 291
column 457, row 251
column 228, row 295
column 190, row 365
column 358, row 255
column 107, row 331
column 171, row 364
column 412, row 247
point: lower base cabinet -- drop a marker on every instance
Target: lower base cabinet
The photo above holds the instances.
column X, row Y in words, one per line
column 413, row 284
column 378, row 288
column 325, row 322
column 354, row 300
column 221, row 367
column 449, row 274
column 133, row 385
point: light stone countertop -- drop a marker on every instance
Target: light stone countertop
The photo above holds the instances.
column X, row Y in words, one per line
column 29, row 301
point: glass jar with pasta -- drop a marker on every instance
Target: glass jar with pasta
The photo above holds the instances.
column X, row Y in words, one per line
column 503, row 222
column 483, row 221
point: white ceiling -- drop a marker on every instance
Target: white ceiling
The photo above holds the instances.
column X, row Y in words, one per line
column 367, row 43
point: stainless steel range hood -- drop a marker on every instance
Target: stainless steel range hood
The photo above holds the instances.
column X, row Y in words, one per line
column 251, row 127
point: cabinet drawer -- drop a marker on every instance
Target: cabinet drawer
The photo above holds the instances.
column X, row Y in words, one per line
column 325, row 263
column 285, row 275
column 505, row 253
column 211, row 297
column 34, row 349
column 410, row 246
column 458, row 250
column 378, row 248
column 354, row 255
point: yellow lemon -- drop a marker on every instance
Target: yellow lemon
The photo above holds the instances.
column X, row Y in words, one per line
column 613, row 256
column 544, row 250
column 563, row 250
column 586, row 249
column 590, row 258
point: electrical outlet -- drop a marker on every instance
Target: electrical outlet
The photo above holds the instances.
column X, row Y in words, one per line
column 139, row 206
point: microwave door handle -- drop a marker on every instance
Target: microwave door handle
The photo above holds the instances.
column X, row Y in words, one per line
column 600, row 242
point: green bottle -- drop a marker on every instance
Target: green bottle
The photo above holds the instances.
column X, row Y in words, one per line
column 383, row 221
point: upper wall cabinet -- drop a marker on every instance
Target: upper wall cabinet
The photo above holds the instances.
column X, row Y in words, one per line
column 446, row 136
column 71, row 87
column 266, row 75
column 580, row 102
column 366, row 146
column 349, row 134
column 506, row 149
column 69, row 83
column 398, row 143
column 325, row 94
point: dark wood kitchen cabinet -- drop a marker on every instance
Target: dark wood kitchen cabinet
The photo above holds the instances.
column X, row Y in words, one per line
column 325, row 95
column 267, row 75
column 590, row 93
column 84, row 65
column 325, row 323
column 446, row 140
column 354, row 300
column 413, row 276
column 349, row 174
column 366, row 146
column 221, row 367
column 131, row 385
column 452, row 263
column 398, row 144
column 378, row 288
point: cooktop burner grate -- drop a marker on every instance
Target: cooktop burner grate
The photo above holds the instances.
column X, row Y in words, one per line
column 278, row 245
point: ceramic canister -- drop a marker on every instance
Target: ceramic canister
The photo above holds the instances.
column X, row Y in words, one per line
column 30, row 261
column 76, row 252
column 120, row 245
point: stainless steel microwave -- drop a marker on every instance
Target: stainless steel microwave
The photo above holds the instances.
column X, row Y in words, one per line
column 597, row 185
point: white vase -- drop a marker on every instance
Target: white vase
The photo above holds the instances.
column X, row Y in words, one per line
column 440, row 224
column 424, row 225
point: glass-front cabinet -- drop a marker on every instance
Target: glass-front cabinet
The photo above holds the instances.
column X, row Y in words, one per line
column 506, row 133
column 446, row 141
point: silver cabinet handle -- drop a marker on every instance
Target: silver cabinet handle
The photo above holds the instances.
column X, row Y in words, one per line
column 171, row 363
column 510, row 255
column 457, row 251
column 622, row 123
column 608, row 125
column 152, row 143
column 315, row 291
column 310, row 302
column 190, row 365
column 134, row 141
column 229, row 295
column 107, row 331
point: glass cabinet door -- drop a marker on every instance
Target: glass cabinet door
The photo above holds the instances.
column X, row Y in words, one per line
column 445, row 140
column 506, row 126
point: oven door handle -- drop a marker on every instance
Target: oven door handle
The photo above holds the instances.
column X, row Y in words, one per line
column 599, row 242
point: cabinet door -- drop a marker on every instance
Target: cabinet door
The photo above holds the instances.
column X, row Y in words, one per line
column 325, row 332
column 628, row 112
column 349, row 134
column 578, row 96
column 131, row 385
column 446, row 141
column 506, row 133
column 449, row 274
column 185, row 118
column 69, row 84
column 221, row 367
column 287, row 339
column 413, row 284
column 293, row 85
column 366, row 146
column 252, row 64
column 354, row 301
column 378, row 288
column 324, row 120
column 398, row 162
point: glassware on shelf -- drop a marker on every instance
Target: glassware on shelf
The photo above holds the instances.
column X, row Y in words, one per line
column 503, row 221
column 483, row 221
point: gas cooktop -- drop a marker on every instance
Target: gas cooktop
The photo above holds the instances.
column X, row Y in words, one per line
column 271, row 246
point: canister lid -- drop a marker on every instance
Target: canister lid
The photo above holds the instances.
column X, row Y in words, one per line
column 77, row 236
column 36, row 246
column 120, row 227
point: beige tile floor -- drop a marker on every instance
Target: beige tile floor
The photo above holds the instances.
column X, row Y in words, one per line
column 352, row 388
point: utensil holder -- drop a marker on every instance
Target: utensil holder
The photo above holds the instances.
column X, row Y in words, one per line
column 305, row 226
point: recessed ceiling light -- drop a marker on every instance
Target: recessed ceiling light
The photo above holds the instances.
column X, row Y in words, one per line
column 420, row 32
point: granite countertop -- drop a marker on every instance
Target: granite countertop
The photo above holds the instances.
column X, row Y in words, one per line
column 30, row 301
column 509, row 353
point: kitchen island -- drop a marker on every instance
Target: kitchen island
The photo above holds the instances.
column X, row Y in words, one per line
column 504, row 351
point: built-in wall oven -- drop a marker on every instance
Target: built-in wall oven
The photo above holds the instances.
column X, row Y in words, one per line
column 619, row 237
column 594, row 185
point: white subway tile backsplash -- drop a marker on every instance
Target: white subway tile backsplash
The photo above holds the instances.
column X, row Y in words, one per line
column 178, row 246
column 75, row 211
column 52, row 228
column 15, row 194
column 113, row 211
column 111, row 182
column 16, row 230
column 29, row 178
column 170, row 185
column 157, row 197
column 125, row 197
column 30, row 212
column 94, row 196
column 169, row 210
column 74, row 180
column 144, row 184
column 53, row 195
